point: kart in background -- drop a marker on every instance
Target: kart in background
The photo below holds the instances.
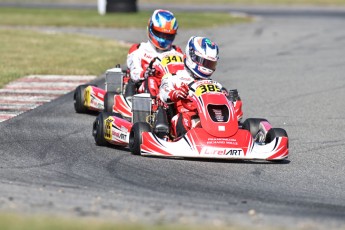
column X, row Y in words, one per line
column 121, row 110
column 119, row 90
column 88, row 97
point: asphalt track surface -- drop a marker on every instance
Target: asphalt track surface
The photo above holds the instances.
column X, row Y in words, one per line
column 288, row 69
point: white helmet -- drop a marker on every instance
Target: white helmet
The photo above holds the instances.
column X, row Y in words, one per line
column 201, row 57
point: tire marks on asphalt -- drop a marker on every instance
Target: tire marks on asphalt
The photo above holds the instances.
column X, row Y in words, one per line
column 32, row 91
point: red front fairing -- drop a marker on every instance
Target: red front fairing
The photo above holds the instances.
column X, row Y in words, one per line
column 209, row 145
column 216, row 114
column 117, row 130
column 94, row 98
column 219, row 135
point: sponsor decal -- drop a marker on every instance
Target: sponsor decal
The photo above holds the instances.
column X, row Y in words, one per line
column 119, row 135
column 100, row 95
column 87, row 96
column 96, row 104
column 228, row 141
column 207, row 151
column 221, row 127
column 124, row 129
column 108, row 127
column 148, row 56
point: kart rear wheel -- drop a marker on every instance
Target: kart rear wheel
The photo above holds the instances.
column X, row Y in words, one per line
column 98, row 129
column 273, row 133
column 253, row 125
column 79, row 99
column 109, row 102
column 135, row 139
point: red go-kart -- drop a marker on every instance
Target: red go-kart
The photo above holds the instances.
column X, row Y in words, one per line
column 218, row 135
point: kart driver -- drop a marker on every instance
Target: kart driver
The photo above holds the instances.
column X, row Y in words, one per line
column 200, row 62
column 161, row 30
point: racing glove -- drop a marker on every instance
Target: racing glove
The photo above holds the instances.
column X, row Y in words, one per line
column 149, row 72
column 179, row 93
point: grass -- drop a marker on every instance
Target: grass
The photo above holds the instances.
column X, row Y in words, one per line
column 35, row 222
column 90, row 18
column 255, row 2
column 24, row 52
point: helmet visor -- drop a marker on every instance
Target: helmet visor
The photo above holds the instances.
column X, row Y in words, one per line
column 162, row 35
column 204, row 62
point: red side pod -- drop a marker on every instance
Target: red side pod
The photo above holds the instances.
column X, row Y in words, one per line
column 98, row 93
column 121, row 106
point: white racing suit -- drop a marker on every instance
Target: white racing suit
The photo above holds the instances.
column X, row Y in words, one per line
column 138, row 59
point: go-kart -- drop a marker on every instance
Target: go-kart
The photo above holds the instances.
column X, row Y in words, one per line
column 121, row 110
column 218, row 135
column 119, row 89
column 89, row 97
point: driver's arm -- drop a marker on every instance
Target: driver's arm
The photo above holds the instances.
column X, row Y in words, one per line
column 134, row 64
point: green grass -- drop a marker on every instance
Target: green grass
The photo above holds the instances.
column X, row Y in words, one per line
column 90, row 18
column 24, row 52
column 252, row 2
column 274, row 2
column 39, row 222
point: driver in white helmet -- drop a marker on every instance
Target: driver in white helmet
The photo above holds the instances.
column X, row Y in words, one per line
column 161, row 30
column 201, row 57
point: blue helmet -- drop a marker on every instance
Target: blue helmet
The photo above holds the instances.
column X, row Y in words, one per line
column 162, row 28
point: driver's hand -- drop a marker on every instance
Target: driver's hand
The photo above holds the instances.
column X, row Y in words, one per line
column 179, row 93
column 149, row 72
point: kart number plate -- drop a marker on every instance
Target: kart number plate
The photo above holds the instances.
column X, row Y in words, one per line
column 205, row 88
column 171, row 59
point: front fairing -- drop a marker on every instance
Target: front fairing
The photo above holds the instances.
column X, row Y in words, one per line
column 216, row 112
column 94, row 98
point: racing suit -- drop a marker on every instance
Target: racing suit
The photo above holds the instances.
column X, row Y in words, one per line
column 138, row 59
column 185, row 119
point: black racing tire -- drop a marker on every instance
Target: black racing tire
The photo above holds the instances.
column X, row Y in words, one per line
column 79, row 99
column 98, row 129
column 252, row 125
column 273, row 133
column 109, row 102
column 121, row 6
column 135, row 136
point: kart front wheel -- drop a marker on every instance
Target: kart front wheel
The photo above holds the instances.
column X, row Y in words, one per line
column 135, row 139
column 79, row 99
column 98, row 129
column 274, row 133
column 253, row 125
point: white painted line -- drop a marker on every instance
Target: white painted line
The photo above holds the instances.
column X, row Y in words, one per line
column 40, row 84
column 17, row 106
column 47, row 87
column 30, row 92
column 25, row 99
column 63, row 77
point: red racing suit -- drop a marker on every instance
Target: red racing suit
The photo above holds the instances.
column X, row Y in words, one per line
column 186, row 117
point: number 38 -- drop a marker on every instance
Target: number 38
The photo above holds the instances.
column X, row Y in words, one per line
column 209, row 88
